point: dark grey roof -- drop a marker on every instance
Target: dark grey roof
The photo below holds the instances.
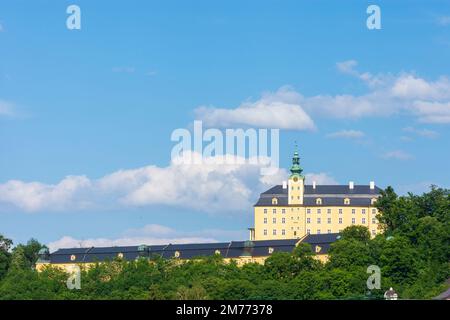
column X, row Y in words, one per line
column 327, row 189
column 323, row 241
column 333, row 201
column 331, row 195
column 321, row 238
column 233, row 249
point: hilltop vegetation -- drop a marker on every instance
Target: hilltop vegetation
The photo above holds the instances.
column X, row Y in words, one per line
column 412, row 253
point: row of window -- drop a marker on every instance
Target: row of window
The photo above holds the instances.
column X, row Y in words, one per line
column 308, row 231
column 319, row 200
column 319, row 211
column 319, row 220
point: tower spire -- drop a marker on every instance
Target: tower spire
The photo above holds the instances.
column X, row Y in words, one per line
column 296, row 170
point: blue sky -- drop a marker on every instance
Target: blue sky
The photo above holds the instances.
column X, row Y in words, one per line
column 103, row 101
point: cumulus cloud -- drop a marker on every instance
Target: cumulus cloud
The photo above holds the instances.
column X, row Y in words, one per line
column 405, row 93
column 280, row 109
column 211, row 186
column 432, row 111
column 347, row 134
column 152, row 234
column 397, row 155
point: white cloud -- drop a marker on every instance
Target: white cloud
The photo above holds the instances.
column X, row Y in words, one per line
column 274, row 110
column 405, row 93
column 152, row 234
column 210, row 187
column 421, row 132
column 36, row 196
column 387, row 95
column 349, row 134
column 408, row 86
column 319, row 178
column 432, row 112
column 397, row 155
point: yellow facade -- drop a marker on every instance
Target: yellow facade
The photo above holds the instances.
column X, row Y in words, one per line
column 292, row 213
column 290, row 222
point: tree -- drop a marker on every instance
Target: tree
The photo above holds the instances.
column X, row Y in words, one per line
column 5, row 255
column 347, row 254
column 358, row 233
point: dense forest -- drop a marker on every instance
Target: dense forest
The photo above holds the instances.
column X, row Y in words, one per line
column 412, row 253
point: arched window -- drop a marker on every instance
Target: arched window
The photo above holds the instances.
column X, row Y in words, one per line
column 274, row 201
column 319, row 201
column 346, row 201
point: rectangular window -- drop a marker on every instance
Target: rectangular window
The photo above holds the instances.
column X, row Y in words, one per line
column 353, row 220
column 363, row 211
column 329, row 220
column 274, row 220
column 308, row 220
column 265, row 220
column 340, row 211
column 329, row 211
column 283, row 232
column 283, row 220
column 274, row 210
column 283, row 210
column 318, row 220
column 374, row 211
column 318, row 231
column 265, row 210
column 374, row 221
column 373, row 232
column 308, row 231
column 265, row 232
column 329, row 231
column 308, row 210
column 274, row 232
column 353, row 211
column 319, row 211
column 363, row 220
column 340, row 220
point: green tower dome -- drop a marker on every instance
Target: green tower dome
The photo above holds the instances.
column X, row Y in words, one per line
column 296, row 170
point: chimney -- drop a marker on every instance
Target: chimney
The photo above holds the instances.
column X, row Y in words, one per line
column 314, row 185
column 351, row 185
column 372, row 185
column 284, row 184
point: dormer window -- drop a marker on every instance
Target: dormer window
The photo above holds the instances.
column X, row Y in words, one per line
column 274, row 201
column 319, row 201
column 346, row 201
column 372, row 201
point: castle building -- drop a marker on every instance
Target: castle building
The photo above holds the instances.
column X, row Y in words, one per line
column 293, row 209
column 285, row 216
column 241, row 252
